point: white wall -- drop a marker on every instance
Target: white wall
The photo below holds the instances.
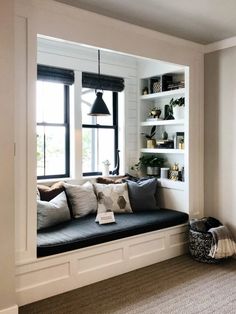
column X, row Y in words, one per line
column 7, row 256
column 220, row 130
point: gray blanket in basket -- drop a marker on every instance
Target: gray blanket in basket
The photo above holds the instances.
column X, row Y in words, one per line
column 223, row 244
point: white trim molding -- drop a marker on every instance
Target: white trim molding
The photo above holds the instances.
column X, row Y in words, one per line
column 220, row 45
column 10, row 310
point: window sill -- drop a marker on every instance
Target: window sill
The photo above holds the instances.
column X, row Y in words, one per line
column 73, row 180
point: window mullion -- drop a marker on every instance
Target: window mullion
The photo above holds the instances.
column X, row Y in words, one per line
column 67, row 128
column 44, row 152
column 51, row 124
column 115, row 123
column 94, row 149
column 97, row 149
column 98, row 126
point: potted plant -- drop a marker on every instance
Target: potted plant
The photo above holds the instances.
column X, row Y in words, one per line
column 151, row 142
column 177, row 106
column 151, row 164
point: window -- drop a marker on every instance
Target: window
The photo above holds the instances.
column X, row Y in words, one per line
column 53, row 145
column 100, row 134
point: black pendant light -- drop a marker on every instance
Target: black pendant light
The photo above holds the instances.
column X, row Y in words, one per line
column 99, row 107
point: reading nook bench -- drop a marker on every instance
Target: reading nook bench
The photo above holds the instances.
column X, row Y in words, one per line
column 83, row 232
column 73, row 250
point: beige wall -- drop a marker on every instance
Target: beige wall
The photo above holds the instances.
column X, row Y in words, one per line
column 7, row 267
column 220, row 136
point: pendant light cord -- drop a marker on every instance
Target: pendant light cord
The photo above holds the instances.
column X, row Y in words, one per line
column 99, row 81
column 99, row 62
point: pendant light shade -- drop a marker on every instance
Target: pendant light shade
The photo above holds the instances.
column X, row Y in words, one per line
column 99, row 107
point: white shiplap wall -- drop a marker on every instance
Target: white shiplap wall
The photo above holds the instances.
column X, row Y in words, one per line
column 83, row 58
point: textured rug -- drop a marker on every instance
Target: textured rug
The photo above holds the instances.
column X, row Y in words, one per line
column 180, row 285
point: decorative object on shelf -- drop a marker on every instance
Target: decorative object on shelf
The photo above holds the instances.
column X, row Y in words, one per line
column 164, row 135
column 168, row 113
column 174, row 172
column 171, row 83
column 178, row 107
column 182, row 174
column 179, row 140
column 165, row 173
column 181, row 144
column 153, row 171
column 154, row 113
column 166, row 81
column 165, row 144
column 99, row 107
column 152, row 164
column 151, row 143
column 145, row 91
column 156, row 86
column 106, row 164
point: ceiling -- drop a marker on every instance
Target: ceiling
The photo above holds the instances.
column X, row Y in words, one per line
column 201, row 21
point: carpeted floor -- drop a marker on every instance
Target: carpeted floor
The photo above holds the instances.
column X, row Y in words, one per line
column 179, row 285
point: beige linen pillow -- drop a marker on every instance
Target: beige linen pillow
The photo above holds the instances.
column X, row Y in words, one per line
column 82, row 199
column 53, row 212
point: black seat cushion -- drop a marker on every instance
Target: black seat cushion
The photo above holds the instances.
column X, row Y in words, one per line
column 83, row 232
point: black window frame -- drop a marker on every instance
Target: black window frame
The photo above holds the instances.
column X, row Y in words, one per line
column 66, row 123
column 113, row 126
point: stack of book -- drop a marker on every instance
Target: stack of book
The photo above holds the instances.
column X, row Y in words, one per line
column 175, row 85
column 164, row 143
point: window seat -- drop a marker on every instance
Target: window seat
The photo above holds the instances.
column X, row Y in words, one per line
column 85, row 232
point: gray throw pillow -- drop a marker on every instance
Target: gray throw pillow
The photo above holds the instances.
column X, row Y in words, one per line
column 142, row 194
column 82, row 199
column 53, row 212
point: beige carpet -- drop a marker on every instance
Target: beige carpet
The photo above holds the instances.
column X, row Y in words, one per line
column 179, row 285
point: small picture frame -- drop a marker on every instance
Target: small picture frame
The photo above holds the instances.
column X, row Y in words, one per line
column 179, row 140
column 155, row 83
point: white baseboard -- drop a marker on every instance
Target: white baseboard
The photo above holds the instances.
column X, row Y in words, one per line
column 10, row 310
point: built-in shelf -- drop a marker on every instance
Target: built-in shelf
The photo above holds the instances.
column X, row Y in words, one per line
column 162, row 151
column 171, row 127
column 171, row 184
column 162, row 122
column 175, row 92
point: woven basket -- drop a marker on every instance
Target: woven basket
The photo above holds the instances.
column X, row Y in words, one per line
column 200, row 240
column 200, row 245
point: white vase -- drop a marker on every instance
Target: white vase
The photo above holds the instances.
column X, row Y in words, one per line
column 178, row 112
column 105, row 171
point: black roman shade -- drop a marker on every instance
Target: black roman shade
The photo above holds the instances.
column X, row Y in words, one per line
column 103, row 82
column 57, row 75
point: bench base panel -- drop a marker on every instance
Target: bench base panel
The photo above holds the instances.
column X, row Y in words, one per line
column 52, row 275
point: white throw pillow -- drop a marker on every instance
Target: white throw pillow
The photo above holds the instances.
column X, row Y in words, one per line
column 53, row 212
column 82, row 199
column 113, row 197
